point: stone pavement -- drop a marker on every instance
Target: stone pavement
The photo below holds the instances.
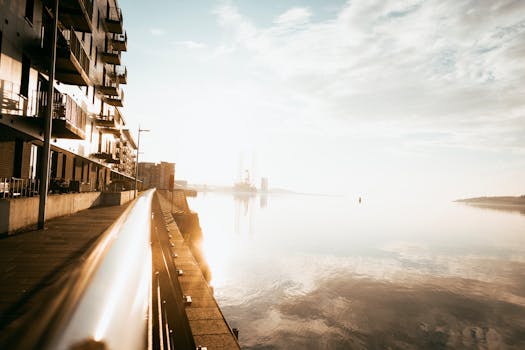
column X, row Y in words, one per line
column 30, row 262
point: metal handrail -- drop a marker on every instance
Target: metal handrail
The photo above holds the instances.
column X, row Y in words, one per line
column 105, row 301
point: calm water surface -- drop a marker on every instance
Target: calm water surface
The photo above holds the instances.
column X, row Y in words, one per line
column 313, row 272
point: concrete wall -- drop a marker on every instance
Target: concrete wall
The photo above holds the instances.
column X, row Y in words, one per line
column 20, row 213
column 117, row 198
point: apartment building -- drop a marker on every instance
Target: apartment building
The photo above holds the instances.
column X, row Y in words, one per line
column 156, row 175
column 91, row 149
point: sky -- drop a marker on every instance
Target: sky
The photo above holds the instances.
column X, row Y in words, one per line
column 361, row 97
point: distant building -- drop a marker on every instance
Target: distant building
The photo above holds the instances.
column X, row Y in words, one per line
column 156, row 175
column 264, row 184
column 181, row 183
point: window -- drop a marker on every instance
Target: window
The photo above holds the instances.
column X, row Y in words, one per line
column 17, row 161
column 64, row 164
column 24, row 81
column 42, row 36
column 54, row 164
column 33, row 162
column 100, row 141
column 30, row 6
column 74, row 169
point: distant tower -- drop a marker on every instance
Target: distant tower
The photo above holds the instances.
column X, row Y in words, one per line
column 264, row 184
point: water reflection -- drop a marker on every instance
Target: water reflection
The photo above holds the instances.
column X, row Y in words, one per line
column 352, row 312
column 327, row 273
column 506, row 208
column 244, row 206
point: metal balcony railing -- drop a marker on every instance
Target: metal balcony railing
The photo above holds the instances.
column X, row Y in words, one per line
column 104, row 303
column 16, row 187
column 119, row 74
column 64, row 108
column 73, row 45
column 116, row 101
column 119, row 42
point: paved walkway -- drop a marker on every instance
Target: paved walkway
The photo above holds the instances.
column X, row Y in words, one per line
column 31, row 262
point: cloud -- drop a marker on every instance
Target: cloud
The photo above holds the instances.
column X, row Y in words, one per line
column 190, row 44
column 157, row 31
column 296, row 15
column 443, row 64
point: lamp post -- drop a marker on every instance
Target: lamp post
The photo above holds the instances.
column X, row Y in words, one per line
column 48, row 126
column 137, row 160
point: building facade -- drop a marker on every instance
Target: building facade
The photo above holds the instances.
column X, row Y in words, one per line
column 156, row 175
column 91, row 149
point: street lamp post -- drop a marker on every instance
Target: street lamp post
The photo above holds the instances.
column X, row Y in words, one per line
column 44, row 184
column 137, row 160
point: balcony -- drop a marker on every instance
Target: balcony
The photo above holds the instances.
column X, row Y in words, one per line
column 76, row 14
column 110, row 57
column 72, row 61
column 69, row 119
column 119, row 75
column 104, row 122
column 110, row 130
column 129, row 137
column 12, row 103
column 119, row 42
column 106, row 156
column 115, row 101
column 109, row 90
column 114, row 21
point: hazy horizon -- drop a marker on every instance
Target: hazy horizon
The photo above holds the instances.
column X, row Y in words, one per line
column 372, row 98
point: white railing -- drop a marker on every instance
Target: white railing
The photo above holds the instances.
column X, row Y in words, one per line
column 104, row 302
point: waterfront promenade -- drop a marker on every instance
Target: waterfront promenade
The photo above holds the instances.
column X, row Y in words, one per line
column 32, row 262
